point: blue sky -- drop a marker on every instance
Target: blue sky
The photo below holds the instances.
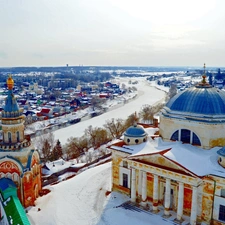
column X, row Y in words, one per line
column 112, row 32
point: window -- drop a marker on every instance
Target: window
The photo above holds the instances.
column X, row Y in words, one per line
column 175, row 136
column 222, row 193
column 144, row 140
column 128, row 140
column 9, row 137
column 125, row 180
column 136, row 141
column 185, row 135
column 222, row 213
column 195, row 140
column 18, row 136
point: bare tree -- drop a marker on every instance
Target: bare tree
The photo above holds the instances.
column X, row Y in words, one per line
column 130, row 120
column 75, row 147
column 91, row 135
column 147, row 113
column 45, row 144
column 158, row 107
column 96, row 136
column 101, row 137
column 97, row 102
column 46, row 151
column 57, row 151
column 172, row 91
column 115, row 127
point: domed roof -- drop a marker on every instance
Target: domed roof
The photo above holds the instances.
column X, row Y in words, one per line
column 221, row 151
column 11, row 103
column 11, row 108
column 135, row 131
column 199, row 100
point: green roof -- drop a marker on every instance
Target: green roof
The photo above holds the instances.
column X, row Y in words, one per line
column 15, row 212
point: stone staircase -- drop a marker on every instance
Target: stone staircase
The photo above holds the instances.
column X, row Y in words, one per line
column 132, row 206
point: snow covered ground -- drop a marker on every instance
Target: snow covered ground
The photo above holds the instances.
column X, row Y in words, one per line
column 83, row 200
column 147, row 94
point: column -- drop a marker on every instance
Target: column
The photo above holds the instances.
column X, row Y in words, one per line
column 180, row 204
column 191, row 137
column 144, row 187
column 155, row 192
column 179, row 135
column 133, row 185
column 194, row 206
column 140, row 183
column 167, row 198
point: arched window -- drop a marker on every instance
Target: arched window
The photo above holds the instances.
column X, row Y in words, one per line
column 128, row 140
column 185, row 136
column 195, row 140
column 175, row 136
column 136, row 141
column 10, row 137
column 17, row 136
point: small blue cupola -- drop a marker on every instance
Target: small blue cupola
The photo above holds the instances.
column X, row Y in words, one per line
column 221, row 157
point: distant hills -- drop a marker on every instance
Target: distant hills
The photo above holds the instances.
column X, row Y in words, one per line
column 97, row 68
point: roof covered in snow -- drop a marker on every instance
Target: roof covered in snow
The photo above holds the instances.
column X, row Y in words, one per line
column 199, row 161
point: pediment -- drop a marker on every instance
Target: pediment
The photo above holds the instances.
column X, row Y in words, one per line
column 159, row 160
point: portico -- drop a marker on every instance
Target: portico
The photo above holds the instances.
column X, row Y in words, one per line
column 167, row 190
column 178, row 170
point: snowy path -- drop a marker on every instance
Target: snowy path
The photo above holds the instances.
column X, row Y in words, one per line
column 145, row 91
column 79, row 200
column 82, row 200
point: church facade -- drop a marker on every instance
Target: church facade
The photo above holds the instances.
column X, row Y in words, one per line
column 19, row 161
column 180, row 173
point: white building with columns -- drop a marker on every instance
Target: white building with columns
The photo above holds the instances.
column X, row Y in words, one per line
column 181, row 172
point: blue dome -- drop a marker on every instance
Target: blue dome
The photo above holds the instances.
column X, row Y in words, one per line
column 11, row 103
column 135, row 131
column 11, row 108
column 199, row 100
column 221, row 151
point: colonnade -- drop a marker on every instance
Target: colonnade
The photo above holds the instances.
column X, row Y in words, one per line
column 142, row 190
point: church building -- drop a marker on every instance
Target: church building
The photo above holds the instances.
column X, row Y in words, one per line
column 19, row 161
column 177, row 170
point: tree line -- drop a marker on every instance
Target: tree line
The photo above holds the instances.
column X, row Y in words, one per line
column 93, row 137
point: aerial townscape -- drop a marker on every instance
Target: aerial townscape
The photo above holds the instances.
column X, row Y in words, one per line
column 112, row 112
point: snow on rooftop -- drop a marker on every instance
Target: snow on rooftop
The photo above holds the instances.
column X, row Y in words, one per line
column 199, row 161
